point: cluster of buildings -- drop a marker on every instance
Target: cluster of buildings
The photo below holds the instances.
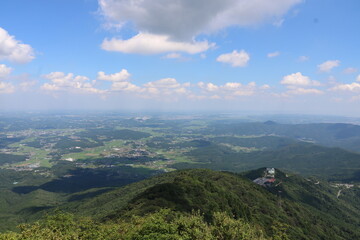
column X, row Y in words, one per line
column 345, row 185
column 268, row 179
column 25, row 167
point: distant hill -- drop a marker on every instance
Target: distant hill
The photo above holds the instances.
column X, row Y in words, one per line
column 304, row 158
column 342, row 135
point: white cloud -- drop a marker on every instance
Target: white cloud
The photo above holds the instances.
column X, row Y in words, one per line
column 6, row 88
column 60, row 81
column 172, row 26
column 163, row 83
column 235, row 58
column 350, row 70
column 173, row 56
column 123, row 75
column 13, row 50
column 26, row 85
column 168, row 87
column 296, row 82
column 210, row 87
column 328, row 65
column 303, row 58
column 125, row 86
column 4, row 70
column 265, row 87
column 351, row 87
column 278, row 22
column 227, row 91
column 196, row 97
column 215, row 97
column 302, row 91
column 230, row 86
column 232, row 89
column 145, row 43
column 332, row 80
column 299, row 80
column 273, row 54
column 184, row 19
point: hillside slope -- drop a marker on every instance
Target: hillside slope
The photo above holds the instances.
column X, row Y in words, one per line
column 304, row 158
column 327, row 134
column 309, row 210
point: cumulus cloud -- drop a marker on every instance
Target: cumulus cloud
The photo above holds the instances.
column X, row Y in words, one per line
column 328, row 65
column 163, row 83
column 60, row 81
column 184, row 19
column 298, row 84
column 13, row 50
column 228, row 90
column 6, row 88
column 166, row 86
column 298, row 79
column 351, row 87
column 235, row 58
column 348, row 87
column 4, row 70
column 123, row 75
column 145, row 43
column 126, row 87
column 273, row 54
column 173, row 25
column 210, row 87
column 168, row 89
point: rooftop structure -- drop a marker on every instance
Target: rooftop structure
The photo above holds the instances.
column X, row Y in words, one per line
column 268, row 179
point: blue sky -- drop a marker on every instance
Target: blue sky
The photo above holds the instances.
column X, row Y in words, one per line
column 283, row 56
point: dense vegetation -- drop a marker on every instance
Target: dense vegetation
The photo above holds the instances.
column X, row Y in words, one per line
column 163, row 225
column 328, row 134
column 264, row 142
column 295, row 207
column 304, row 158
column 23, row 194
column 11, row 158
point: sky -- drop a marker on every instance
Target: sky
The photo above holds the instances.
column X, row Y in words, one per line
column 280, row 56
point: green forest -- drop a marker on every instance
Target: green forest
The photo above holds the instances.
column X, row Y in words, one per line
column 189, row 204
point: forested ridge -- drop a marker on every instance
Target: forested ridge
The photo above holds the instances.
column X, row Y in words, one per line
column 203, row 204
